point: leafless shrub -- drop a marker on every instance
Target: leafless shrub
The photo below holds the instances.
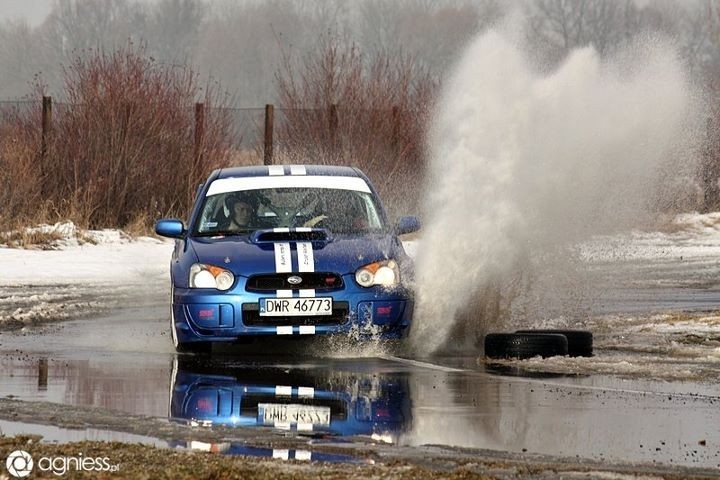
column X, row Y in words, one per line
column 20, row 179
column 340, row 107
column 122, row 149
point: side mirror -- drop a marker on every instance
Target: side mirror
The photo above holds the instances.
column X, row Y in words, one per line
column 169, row 227
column 407, row 225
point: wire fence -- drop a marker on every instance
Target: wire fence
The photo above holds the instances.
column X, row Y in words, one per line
column 247, row 129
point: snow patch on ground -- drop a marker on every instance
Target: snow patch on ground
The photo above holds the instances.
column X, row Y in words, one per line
column 77, row 273
column 84, row 257
column 688, row 236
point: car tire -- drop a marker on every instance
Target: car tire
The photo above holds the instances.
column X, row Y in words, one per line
column 525, row 345
column 580, row 342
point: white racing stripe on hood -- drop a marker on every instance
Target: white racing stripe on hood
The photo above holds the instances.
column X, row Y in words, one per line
column 297, row 170
column 306, row 258
column 283, row 258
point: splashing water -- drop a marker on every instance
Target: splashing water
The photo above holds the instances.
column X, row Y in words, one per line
column 524, row 166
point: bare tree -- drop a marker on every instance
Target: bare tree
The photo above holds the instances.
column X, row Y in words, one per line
column 433, row 32
column 555, row 27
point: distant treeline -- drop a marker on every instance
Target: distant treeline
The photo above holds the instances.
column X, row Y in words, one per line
column 353, row 83
column 241, row 43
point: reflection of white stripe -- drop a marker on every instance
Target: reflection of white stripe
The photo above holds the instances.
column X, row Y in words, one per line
column 281, row 230
column 202, row 446
column 282, row 426
column 307, row 292
column 284, row 293
column 234, row 184
column 297, row 170
column 303, row 454
column 283, row 258
column 283, row 390
column 276, row 170
column 307, row 329
column 304, row 427
column 303, row 229
column 306, row 392
column 281, row 454
column 306, row 259
column 284, row 330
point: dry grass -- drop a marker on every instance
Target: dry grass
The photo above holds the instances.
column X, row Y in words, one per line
column 29, row 239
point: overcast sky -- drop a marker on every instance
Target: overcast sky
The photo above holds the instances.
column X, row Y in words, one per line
column 34, row 11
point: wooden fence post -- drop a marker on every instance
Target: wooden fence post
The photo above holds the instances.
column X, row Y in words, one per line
column 268, row 148
column 46, row 126
column 42, row 374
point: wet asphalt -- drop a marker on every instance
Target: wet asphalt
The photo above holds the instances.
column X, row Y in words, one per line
column 123, row 361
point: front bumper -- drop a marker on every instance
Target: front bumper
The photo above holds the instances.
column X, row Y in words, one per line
column 206, row 315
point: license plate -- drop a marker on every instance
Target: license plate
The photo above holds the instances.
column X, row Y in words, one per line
column 272, row 413
column 293, row 307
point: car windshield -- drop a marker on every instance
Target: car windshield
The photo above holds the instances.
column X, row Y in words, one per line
column 241, row 212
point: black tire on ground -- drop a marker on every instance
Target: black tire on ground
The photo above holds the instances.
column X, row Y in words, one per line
column 525, row 345
column 580, row 342
column 195, row 347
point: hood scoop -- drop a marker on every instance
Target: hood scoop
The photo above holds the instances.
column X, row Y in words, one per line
column 290, row 235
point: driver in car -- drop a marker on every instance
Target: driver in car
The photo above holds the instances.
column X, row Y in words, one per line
column 242, row 213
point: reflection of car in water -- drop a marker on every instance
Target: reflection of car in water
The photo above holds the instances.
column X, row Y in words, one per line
column 287, row 251
column 307, row 400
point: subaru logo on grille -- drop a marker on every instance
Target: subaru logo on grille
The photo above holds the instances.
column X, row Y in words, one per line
column 294, row 280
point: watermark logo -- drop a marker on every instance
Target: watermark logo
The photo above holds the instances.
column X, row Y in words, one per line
column 19, row 463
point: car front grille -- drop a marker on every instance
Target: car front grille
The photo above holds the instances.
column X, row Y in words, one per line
column 252, row 318
column 270, row 282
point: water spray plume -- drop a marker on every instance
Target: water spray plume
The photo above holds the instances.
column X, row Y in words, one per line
column 524, row 165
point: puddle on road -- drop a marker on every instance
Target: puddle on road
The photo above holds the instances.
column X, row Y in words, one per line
column 385, row 401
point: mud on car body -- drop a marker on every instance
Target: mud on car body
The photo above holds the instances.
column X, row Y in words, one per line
column 314, row 256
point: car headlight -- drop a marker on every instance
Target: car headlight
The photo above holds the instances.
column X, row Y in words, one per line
column 385, row 273
column 210, row 276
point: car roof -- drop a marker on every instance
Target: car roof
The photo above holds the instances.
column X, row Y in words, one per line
column 265, row 170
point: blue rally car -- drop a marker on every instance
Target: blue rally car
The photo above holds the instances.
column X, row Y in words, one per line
column 287, row 250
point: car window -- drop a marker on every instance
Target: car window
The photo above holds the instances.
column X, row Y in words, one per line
column 340, row 211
